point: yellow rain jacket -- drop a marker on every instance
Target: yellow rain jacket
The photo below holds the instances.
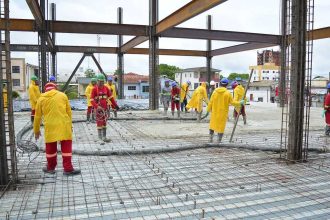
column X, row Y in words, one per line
column 219, row 107
column 184, row 91
column 112, row 88
column 5, row 98
column 198, row 97
column 88, row 93
column 55, row 108
column 238, row 95
column 34, row 94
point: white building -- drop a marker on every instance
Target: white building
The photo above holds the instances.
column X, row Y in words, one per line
column 262, row 91
column 196, row 76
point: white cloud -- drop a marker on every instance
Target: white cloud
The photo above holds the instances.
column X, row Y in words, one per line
column 236, row 15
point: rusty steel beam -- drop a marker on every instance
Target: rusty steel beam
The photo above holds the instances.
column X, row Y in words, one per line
column 320, row 33
column 186, row 12
column 109, row 50
column 132, row 43
column 191, row 33
column 19, row 25
column 36, row 12
column 240, row 48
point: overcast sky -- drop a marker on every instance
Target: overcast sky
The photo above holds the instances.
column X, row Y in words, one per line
column 257, row 16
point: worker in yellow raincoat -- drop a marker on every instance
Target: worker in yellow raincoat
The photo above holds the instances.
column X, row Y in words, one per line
column 183, row 95
column 219, row 107
column 112, row 87
column 4, row 96
column 88, row 93
column 34, row 94
column 54, row 107
column 197, row 99
column 239, row 93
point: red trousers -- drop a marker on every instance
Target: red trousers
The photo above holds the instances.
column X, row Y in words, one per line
column 51, row 154
column 101, row 119
column 327, row 117
column 175, row 105
column 89, row 110
column 241, row 113
column 33, row 112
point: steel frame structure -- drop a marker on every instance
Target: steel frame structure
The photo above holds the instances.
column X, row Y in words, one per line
column 47, row 30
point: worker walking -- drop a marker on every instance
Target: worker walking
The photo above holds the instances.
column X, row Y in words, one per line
column 239, row 92
column 100, row 97
column 88, row 93
column 198, row 97
column 165, row 96
column 326, row 111
column 219, row 107
column 175, row 99
column 112, row 87
column 34, row 94
column 54, row 107
column 183, row 95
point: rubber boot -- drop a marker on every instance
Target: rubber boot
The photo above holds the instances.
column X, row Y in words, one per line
column 173, row 113
column 244, row 119
column 220, row 135
column 32, row 119
column 88, row 118
column 105, row 139
column 100, row 134
column 178, row 114
column 115, row 114
column 93, row 117
column 165, row 112
column 327, row 130
column 199, row 116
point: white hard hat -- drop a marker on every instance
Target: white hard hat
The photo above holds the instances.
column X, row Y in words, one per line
column 212, row 83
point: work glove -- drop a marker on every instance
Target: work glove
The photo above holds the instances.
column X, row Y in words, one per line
column 242, row 102
column 323, row 113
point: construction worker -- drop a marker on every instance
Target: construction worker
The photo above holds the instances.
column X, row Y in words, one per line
column 326, row 111
column 212, row 88
column 219, row 107
column 5, row 97
column 183, row 95
column 112, row 87
column 100, row 97
column 165, row 96
column 175, row 99
column 198, row 97
column 54, row 107
column 239, row 93
column 34, row 94
column 88, row 93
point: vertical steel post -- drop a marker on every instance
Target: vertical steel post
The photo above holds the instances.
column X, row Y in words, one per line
column 208, row 49
column 297, row 81
column 43, row 47
column 53, row 52
column 120, row 58
column 282, row 81
column 153, row 56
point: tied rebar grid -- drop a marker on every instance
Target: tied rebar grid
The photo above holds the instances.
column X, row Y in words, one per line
column 205, row 182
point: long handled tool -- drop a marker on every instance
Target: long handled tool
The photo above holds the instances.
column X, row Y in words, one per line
column 246, row 89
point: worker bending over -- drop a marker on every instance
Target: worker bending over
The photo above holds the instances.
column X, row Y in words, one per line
column 100, row 97
column 326, row 111
column 88, row 93
column 219, row 107
column 112, row 87
column 198, row 97
column 239, row 93
column 34, row 94
column 165, row 96
column 175, row 99
column 54, row 107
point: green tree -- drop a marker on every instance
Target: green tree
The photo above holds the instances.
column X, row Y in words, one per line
column 89, row 73
column 15, row 94
column 168, row 70
column 233, row 76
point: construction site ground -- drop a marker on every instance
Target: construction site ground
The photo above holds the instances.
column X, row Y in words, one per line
column 158, row 167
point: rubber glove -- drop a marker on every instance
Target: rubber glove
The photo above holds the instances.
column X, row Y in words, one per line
column 323, row 113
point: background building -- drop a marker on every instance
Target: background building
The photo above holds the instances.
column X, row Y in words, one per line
column 268, row 66
column 196, row 76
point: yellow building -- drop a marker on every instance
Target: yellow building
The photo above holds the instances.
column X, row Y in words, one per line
column 268, row 71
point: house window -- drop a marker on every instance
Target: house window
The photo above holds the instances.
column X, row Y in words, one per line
column 190, row 75
column 145, row 88
column 15, row 69
column 16, row 82
column 195, row 75
column 131, row 88
column 257, row 88
column 36, row 72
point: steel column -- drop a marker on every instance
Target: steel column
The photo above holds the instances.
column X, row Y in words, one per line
column 283, row 47
column 209, row 49
column 297, row 82
column 153, row 56
column 43, row 50
column 53, row 52
column 120, row 58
